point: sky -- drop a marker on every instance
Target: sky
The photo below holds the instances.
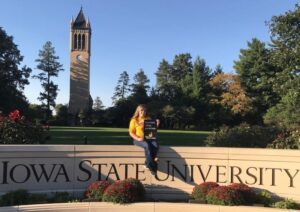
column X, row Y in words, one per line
column 128, row 35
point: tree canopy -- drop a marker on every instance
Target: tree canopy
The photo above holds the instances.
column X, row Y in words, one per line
column 13, row 79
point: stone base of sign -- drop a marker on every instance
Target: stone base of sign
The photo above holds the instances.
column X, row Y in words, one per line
column 135, row 207
column 71, row 168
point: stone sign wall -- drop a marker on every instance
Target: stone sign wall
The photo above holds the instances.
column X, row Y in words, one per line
column 50, row 168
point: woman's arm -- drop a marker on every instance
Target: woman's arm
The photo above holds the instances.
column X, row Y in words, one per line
column 135, row 137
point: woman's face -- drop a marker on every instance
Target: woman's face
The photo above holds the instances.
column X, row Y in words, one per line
column 142, row 112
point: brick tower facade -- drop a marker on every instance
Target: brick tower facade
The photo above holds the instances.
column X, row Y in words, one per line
column 80, row 52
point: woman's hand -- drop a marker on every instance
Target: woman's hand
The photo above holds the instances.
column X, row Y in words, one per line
column 140, row 139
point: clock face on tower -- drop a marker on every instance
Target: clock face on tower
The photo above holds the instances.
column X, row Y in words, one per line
column 79, row 58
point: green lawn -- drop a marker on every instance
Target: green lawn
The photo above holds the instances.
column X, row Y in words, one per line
column 120, row 136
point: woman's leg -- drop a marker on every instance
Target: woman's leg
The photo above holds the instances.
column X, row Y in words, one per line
column 154, row 147
column 145, row 145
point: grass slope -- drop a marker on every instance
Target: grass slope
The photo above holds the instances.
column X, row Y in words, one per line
column 120, row 136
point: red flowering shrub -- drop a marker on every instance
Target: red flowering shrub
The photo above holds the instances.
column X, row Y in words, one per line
column 122, row 191
column 247, row 193
column 139, row 187
column 96, row 190
column 200, row 191
column 15, row 129
column 224, row 195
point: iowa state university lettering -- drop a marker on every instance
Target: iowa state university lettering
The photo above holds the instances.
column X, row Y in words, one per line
column 21, row 173
column 88, row 170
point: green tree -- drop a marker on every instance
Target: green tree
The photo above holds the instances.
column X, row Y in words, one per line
column 140, row 87
column 257, row 75
column 287, row 112
column 98, row 104
column 122, row 87
column 201, row 77
column 62, row 115
column 182, row 66
column 12, row 78
column 285, row 37
column 218, row 70
column 182, row 72
column 201, row 88
column 35, row 113
column 168, row 113
column 50, row 67
column 165, row 81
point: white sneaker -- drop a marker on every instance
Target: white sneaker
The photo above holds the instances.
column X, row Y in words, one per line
column 145, row 167
column 153, row 173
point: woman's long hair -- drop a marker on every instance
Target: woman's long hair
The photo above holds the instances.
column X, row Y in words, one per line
column 136, row 113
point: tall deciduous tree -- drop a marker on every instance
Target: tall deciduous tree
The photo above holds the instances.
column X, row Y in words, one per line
column 12, row 78
column 122, row 88
column 50, row 67
column 232, row 96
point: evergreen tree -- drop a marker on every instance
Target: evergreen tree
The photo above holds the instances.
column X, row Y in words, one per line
column 182, row 66
column 98, row 104
column 62, row 115
column 201, row 77
column 12, row 78
column 285, row 36
column 257, row 75
column 140, row 87
column 122, row 87
column 165, row 81
column 218, row 70
column 50, row 67
column 182, row 72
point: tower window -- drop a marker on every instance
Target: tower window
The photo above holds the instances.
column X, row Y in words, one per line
column 75, row 41
column 79, row 41
column 83, row 41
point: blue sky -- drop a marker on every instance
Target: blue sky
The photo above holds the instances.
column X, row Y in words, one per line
column 131, row 34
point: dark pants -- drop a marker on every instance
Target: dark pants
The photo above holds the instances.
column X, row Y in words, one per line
column 151, row 150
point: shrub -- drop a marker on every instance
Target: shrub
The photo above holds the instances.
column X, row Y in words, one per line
column 96, row 190
column 58, row 197
column 286, row 140
column 122, row 192
column 15, row 129
column 265, row 198
column 287, row 204
column 139, row 187
column 247, row 193
column 200, row 191
column 242, row 136
column 22, row 197
column 37, row 198
column 18, row 197
column 224, row 195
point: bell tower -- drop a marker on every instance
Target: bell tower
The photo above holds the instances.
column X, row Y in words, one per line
column 80, row 52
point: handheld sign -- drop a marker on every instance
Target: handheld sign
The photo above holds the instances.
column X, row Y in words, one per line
column 150, row 130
